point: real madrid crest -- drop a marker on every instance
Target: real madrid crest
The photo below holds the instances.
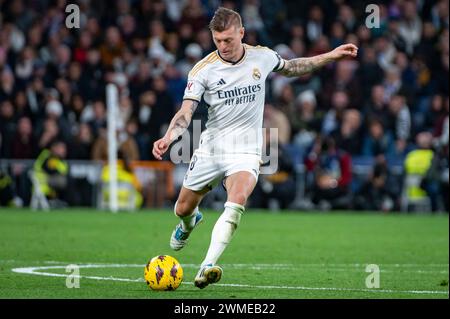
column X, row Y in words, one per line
column 256, row 74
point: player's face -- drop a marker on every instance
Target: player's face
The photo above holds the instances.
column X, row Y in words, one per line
column 229, row 42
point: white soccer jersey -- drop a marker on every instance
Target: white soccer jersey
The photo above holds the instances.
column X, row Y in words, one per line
column 234, row 94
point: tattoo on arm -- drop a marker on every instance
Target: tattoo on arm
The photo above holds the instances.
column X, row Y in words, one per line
column 300, row 66
column 181, row 120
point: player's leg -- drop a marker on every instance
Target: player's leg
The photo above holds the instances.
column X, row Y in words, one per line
column 186, row 208
column 187, row 204
column 239, row 187
column 202, row 175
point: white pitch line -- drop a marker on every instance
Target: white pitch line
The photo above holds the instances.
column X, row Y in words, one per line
column 34, row 271
column 261, row 265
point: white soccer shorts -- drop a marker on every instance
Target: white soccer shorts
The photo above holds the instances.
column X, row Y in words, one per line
column 206, row 171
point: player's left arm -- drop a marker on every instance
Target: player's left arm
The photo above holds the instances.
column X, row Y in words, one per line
column 300, row 66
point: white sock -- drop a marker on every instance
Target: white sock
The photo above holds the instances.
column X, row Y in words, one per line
column 187, row 222
column 223, row 231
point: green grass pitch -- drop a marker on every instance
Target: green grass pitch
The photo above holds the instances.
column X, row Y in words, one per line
column 273, row 255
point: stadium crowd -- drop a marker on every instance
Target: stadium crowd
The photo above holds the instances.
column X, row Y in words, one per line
column 391, row 101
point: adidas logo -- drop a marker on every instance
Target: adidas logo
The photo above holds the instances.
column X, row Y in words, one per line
column 221, row 82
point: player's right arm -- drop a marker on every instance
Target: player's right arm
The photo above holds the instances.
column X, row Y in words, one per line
column 180, row 122
column 193, row 93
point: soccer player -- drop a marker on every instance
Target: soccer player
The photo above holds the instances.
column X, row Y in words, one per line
column 231, row 81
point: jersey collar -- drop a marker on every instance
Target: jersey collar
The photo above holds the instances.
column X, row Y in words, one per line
column 233, row 63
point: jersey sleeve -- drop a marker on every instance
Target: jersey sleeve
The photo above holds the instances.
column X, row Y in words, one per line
column 276, row 61
column 195, row 86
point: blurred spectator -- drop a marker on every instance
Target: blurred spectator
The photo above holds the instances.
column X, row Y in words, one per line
column 125, row 110
column 437, row 177
column 393, row 83
column 274, row 118
column 417, row 164
column 75, row 110
column 141, row 82
column 8, row 195
column 348, row 136
column 286, row 101
column 439, row 14
column 376, row 194
column 399, row 123
column 344, row 80
column 51, row 170
column 436, row 180
column 441, row 127
column 314, row 24
column 60, row 60
column 129, row 188
column 332, row 174
column 54, row 110
column 176, row 84
column 125, row 143
column 97, row 116
column 306, row 120
column 204, row 39
column 193, row 53
column 172, row 46
column 7, row 128
column 431, row 113
column 25, row 65
column 85, row 42
column 377, row 141
column 163, row 111
column 410, row 28
column 7, row 85
column 279, row 186
column 49, row 132
column 23, row 144
column 194, row 14
column 21, row 105
column 369, row 71
column 337, row 34
column 81, row 145
column 385, row 51
column 376, row 105
column 112, row 47
column 252, row 20
column 186, row 35
column 427, row 45
column 347, row 17
column 441, row 75
column 339, row 102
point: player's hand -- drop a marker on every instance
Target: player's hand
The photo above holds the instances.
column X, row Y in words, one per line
column 160, row 147
column 344, row 51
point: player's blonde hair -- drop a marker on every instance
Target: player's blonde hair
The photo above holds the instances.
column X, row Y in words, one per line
column 225, row 18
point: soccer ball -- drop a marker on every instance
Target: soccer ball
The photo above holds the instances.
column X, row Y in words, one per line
column 163, row 273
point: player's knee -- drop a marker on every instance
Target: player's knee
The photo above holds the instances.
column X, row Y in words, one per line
column 182, row 208
column 238, row 198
